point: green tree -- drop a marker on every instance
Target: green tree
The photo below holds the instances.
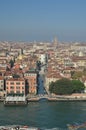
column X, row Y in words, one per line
column 65, row 86
column 38, row 65
column 11, row 63
column 61, row 87
column 78, row 86
column 51, row 87
column 16, row 76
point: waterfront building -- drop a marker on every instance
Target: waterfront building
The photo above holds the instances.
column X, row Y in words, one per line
column 31, row 81
column 15, row 92
column 15, row 86
column 1, row 86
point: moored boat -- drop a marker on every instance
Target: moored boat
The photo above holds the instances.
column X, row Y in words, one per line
column 18, row 127
column 28, row 128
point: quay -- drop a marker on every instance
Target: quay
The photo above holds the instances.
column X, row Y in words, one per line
column 80, row 97
column 23, row 100
column 56, row 99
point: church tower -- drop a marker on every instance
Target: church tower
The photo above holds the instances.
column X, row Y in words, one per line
column 55, row 42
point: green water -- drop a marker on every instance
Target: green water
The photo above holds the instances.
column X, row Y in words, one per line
column 44, row 114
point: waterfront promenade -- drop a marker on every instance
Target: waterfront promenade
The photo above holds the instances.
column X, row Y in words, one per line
column 73, row 97
column 36, row 98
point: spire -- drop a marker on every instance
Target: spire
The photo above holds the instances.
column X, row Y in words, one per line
column 55, row 42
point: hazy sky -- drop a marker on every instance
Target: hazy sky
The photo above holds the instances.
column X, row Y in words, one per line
column 41, row 20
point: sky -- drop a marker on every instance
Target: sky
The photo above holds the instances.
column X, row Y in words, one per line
column 42, row 20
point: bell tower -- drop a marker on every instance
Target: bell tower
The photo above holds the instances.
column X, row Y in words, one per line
column 55, row 42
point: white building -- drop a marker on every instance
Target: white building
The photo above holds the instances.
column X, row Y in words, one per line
column 43, row 58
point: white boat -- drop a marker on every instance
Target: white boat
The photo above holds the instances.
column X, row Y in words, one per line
column 18, row 127
column 28, row 128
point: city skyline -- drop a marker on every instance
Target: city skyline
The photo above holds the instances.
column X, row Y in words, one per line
column 42, row 20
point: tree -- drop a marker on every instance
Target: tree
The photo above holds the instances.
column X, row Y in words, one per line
column 51, row 87
column 78, row 86
column 61, row 87
column 11, row 63
column 38, row 65
column 65, row 86
column 16, row 76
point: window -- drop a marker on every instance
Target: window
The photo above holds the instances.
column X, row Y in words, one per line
column 12, row 87
column 1, row 90
column 6, row 87
column 7, row 83
column 23, row 92
column 17, row 87
column 2, row 86
column 11, row 83
column 22, row 87
column 11, row 91
column 18, row 83
column 17, row 91
column 2, row 81
column 22, row 83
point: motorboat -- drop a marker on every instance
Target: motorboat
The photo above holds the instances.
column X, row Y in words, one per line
column 28, row 128
column 18, row 127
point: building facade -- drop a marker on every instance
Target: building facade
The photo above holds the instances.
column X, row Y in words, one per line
column 15, row 86
column 1, row 86
column 31, row 81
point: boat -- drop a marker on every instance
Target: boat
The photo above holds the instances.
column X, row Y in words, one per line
column 18, row 127
column 28, row 128
column 76, row 126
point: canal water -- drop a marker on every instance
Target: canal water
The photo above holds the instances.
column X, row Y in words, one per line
column 44, row 114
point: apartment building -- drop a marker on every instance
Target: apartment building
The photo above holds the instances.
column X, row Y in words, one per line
column 1, row 83
column 31, row 78
column 1, row 86
column 15, row 86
